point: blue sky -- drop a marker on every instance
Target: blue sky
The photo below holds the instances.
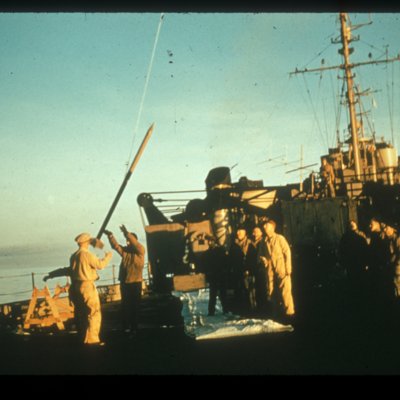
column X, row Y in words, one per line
column 219, row 94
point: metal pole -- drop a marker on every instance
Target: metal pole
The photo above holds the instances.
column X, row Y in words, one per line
column 33, row 280
column 113, row 273
column 124, row 183
column 346, row 37
column 301, row 168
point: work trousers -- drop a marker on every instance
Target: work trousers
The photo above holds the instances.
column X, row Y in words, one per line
column 86, row 302
column 131, row 294
column 284, row 284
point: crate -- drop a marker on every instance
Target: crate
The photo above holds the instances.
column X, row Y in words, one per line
column 188, row 283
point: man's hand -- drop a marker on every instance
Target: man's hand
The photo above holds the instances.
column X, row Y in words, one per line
column 108, row 254
column 123, row 229
column 108, row 233
column 264, row 260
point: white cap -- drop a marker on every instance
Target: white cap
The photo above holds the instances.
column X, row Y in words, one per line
column 83, row 237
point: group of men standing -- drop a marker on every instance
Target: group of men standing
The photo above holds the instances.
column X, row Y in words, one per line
column 260, row 270
column 372, row 262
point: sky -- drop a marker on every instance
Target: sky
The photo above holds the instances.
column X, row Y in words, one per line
column 219, row 93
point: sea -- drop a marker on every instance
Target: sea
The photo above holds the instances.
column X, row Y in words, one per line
column 21, row 269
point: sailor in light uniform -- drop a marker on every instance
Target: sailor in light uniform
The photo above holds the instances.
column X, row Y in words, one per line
column 83, row 292
column 278, row 261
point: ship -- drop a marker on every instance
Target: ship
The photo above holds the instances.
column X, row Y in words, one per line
column 366, row 185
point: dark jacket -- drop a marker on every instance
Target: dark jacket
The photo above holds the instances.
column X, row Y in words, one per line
column 132, row 263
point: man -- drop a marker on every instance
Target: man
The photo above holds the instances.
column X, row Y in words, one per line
column 328, row 178
column 392, row 272
column 130, row 277
column 260, row 273
column 353, row 252
column 278, row 261
column 353, row 255
column 83, row 293
column 243, row 259
column 217, row 271
column 378, row 257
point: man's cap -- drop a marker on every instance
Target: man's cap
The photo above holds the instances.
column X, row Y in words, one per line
column 83, row 237
column 390, row 222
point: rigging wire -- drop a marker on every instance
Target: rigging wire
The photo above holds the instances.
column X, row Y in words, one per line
column 370, row 126
column 382, row 53
column 283, row 94
column 145, row 87
column 319, row 54
column 336, row 105
column 340, row 107
column 303, row 97
column 179, row 191
column 392, row 118
column 324, row 112
column 22, row 275
column 22, row 292
column 14, row 276
column 390, row 96
column 314, row 112
column 325, row 120
column 398, row 93
column 370, row 121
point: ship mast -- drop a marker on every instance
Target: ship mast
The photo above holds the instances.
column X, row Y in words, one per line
column 345, row 34
column 345, row 51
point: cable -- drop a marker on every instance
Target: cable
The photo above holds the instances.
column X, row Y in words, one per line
column 390, row 103
column 336, row 106
column 320, row 53
column 376, row 48
column 145, row 86
column 314, row 112
column 14, row 276
column 9, row 294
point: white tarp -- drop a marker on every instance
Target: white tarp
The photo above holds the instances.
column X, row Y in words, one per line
column 200, row 326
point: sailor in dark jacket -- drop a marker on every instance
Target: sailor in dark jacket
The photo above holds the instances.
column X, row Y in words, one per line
column 130, row 276
column 260, row 272
column 243, row 260
column 217, row 271
column 393, row 268
column 378, row 257
column 353, row 253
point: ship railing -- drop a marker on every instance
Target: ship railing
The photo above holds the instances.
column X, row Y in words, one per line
column 34, row 275
column 31, row 275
